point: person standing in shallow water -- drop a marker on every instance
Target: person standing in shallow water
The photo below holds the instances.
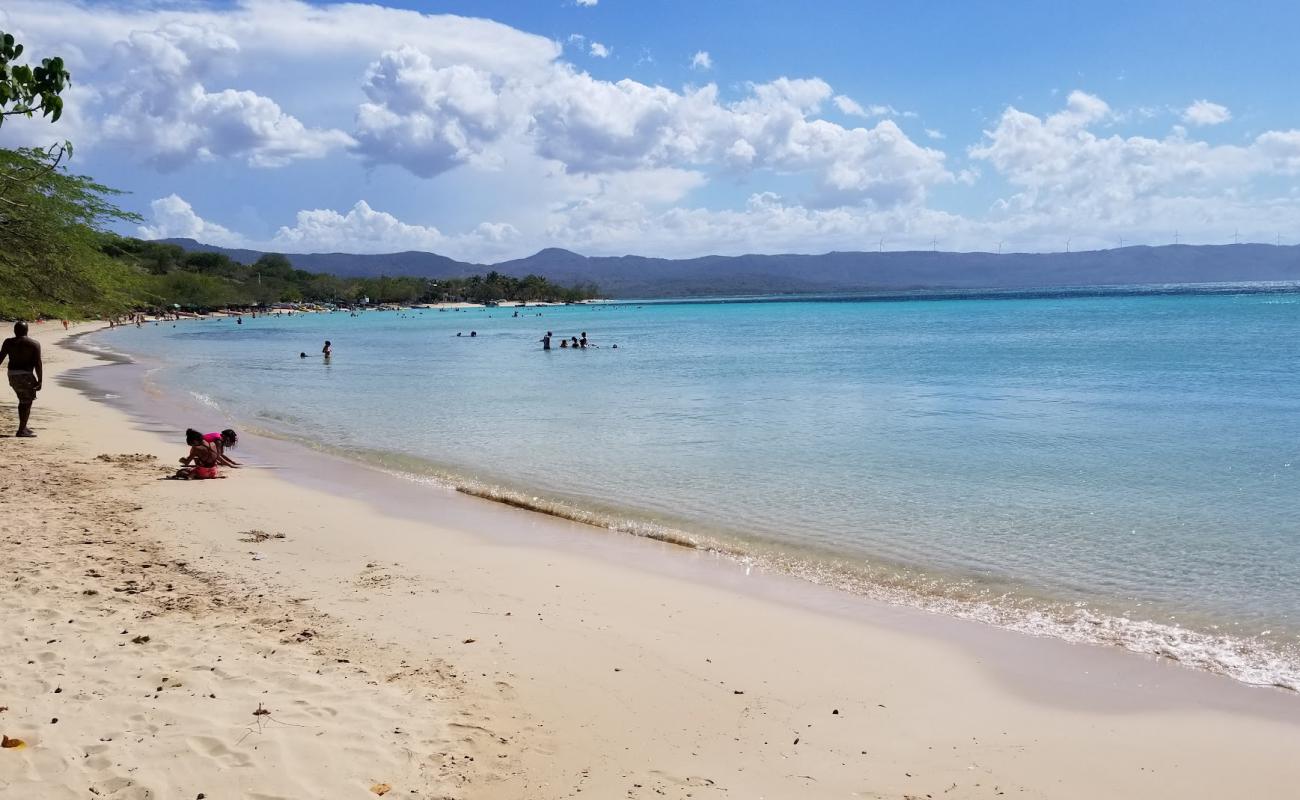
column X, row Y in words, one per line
column 326, row 350
column 26, row 373
column 546, row 341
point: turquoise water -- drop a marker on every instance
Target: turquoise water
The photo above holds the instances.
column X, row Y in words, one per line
column 1112, row 468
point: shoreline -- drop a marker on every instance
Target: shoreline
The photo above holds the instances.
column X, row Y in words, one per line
column 404, row 494
column 608, row 665
column 999, row 602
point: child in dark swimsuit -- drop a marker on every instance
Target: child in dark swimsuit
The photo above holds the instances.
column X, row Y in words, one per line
column 203, row 454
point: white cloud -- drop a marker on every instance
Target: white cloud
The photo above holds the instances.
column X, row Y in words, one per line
column 173, row 218
column 160, row 108
column 587, row 3
column 1068, row 178
column 361, row 229
column 555, row 155
column 847, row 105
column 1203, row 112
column 425, row 117
column 173, row 82
column 599, row 50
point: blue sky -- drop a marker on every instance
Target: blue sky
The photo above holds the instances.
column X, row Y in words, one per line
column 675, row 128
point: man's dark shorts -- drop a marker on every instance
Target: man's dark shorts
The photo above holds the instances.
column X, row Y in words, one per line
column 24, row 385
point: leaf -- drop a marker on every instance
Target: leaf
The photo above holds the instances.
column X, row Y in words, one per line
column 381, row 789
column 12, row 744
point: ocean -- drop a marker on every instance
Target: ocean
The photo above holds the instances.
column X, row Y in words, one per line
column 1117, row 466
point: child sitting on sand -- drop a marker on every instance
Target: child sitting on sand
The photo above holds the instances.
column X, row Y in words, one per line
column 204, row 458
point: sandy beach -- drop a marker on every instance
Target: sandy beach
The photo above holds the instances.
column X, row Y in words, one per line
column 309, row 629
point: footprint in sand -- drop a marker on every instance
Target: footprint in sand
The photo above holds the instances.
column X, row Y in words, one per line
column 216, row 749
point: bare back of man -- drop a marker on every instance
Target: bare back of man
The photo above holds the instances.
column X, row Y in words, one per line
column 26, row 373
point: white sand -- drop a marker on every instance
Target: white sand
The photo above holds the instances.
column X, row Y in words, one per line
column 598, row 664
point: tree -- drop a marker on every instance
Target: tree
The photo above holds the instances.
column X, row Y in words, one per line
column 51, row 231
column 27, row 90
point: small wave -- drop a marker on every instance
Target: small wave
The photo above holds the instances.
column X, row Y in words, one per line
column 574, row 513
column 206, row 400
column 1257, row 662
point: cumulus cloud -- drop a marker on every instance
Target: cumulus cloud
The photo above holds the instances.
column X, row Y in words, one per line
column 173, row 81
column 1068, row 177
column 599, row 50
column 425, row 117
column 847, row 105
column 430, row 119
column 361, row 229
column 561, row 157
column 587, row 3
column 1203, row 112
column 173, row 218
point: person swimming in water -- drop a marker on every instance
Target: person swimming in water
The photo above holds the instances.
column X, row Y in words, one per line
column 564, row 344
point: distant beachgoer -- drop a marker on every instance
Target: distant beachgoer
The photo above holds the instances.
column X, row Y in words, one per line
column 584, row 339
column 546, row 341
column 615, row 347
column 239, row 320
column 300, row 355
column 473, row 333
column 564, row 344
column 26, row 373
column 327, row 350
column 575, row 342
column 223, row 441
column 202, row 461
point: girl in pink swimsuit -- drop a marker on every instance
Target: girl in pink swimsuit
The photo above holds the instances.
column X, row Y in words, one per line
column 222, row 442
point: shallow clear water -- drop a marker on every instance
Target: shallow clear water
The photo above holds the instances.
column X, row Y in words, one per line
column 1108, row 468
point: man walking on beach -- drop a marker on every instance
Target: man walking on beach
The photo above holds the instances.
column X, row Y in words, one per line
column 25, row 373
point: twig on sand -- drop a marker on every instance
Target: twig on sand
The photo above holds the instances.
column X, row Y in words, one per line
column 263, row 716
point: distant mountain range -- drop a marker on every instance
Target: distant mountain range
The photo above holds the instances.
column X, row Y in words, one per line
column 639, row 276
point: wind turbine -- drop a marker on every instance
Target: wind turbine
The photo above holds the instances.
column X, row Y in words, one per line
column 1236, row 236
column 1000, row 246
column 934, row 245
column 1175, row 237
column 1121, row 242
column 1067, row 244
column 881, row 246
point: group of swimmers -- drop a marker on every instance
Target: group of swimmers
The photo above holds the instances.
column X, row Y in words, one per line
column 572, row 343
column 207, row 452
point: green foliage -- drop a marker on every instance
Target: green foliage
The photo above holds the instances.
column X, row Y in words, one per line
column 27, row 90
column 51, row 231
